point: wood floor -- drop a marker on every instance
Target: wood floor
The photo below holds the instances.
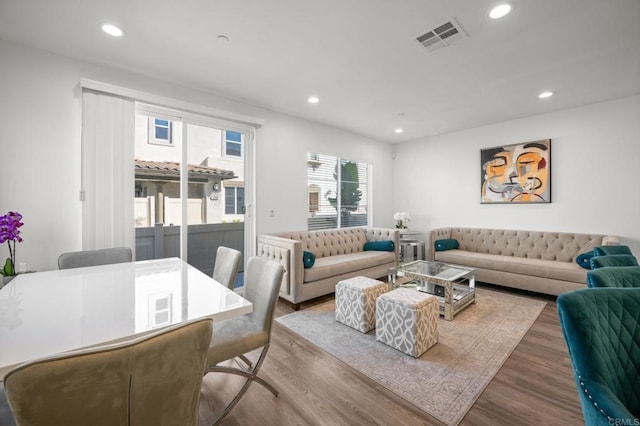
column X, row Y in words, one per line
column 534, row 387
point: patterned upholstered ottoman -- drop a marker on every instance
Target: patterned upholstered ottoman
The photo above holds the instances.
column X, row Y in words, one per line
column 407, row 319
column 356, row 302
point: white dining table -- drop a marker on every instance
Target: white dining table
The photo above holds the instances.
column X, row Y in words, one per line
column 45, row 313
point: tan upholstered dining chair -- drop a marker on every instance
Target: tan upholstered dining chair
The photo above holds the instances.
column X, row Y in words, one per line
column 151, row 380
column 225, row 268
column 79, row 259
column 237, row 336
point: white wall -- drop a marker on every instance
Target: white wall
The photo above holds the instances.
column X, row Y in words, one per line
column 40, row 150
column 595, row 157
column 282, row 169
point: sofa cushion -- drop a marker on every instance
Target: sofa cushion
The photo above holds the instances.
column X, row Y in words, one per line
column 385, row 245
column 446, row 244
column 331, row 266
column 518, row 265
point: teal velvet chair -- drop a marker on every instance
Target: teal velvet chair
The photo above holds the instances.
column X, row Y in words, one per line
column 614, row 276
column 613, row 260
column 609, row 250
column 601, row 328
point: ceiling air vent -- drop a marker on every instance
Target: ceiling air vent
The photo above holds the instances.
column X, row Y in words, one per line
column 443, row 35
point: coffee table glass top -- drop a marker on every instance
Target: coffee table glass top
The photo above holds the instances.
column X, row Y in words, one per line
column 438, row 270
column 453, row 285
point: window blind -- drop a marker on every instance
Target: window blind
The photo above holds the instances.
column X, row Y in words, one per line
column 107, row 171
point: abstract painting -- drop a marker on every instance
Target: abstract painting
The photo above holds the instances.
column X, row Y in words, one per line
column 518, row 173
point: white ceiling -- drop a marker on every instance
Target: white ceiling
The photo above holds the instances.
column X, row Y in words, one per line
column 358, row 56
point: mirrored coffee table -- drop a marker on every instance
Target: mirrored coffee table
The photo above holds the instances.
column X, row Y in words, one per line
column 454, row 285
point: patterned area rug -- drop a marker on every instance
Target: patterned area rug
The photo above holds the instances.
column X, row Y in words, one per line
column 449, row 377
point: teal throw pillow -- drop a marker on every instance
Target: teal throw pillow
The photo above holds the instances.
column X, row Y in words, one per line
column 308, row 259
column 584, row 259
column 607, row 250
column 385, row 245
column 448, row 244
column 613, row 260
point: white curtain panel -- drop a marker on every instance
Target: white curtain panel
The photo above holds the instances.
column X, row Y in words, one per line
column 107, row 170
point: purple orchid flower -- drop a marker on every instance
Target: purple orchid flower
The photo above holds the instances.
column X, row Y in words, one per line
column 10, row 232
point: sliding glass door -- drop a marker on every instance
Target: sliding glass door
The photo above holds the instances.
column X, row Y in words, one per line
column 190, row 175
column 216, row 203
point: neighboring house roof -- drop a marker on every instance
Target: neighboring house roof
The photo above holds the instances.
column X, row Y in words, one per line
column 170, row 170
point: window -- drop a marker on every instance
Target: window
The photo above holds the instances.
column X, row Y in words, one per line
column 234, row 200
column 337, row 191
column 233, row 144
column 160, row 131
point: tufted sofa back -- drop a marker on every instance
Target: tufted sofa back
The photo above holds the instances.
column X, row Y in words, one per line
column 330, row 242
column 557, row 246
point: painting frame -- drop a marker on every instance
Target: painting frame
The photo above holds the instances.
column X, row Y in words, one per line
column 517, row 173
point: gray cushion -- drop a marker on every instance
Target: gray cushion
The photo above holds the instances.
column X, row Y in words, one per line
column 234, row 336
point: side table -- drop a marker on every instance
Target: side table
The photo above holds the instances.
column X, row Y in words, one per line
column 411, row 250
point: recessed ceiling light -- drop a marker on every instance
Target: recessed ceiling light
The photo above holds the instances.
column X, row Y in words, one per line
column 313, row 100
column 545, row 95
column 398, row 130
column 500, row 11
column 112, row 30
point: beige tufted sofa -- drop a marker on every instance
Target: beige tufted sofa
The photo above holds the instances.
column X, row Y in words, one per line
column 339, row 255
column 544, row 262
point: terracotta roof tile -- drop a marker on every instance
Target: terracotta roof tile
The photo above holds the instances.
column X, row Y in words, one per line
column 172, row 167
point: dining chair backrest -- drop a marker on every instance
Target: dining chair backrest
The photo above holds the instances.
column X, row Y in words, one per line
column 151, row 380
column 614, row 276
column 79, row 259
column 225, row 268
column 262, row 286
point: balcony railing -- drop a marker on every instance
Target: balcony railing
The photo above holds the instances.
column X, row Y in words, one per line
column 164, row 241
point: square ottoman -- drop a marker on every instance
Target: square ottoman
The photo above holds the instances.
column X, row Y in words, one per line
column 356, row 302
column 407, row 319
